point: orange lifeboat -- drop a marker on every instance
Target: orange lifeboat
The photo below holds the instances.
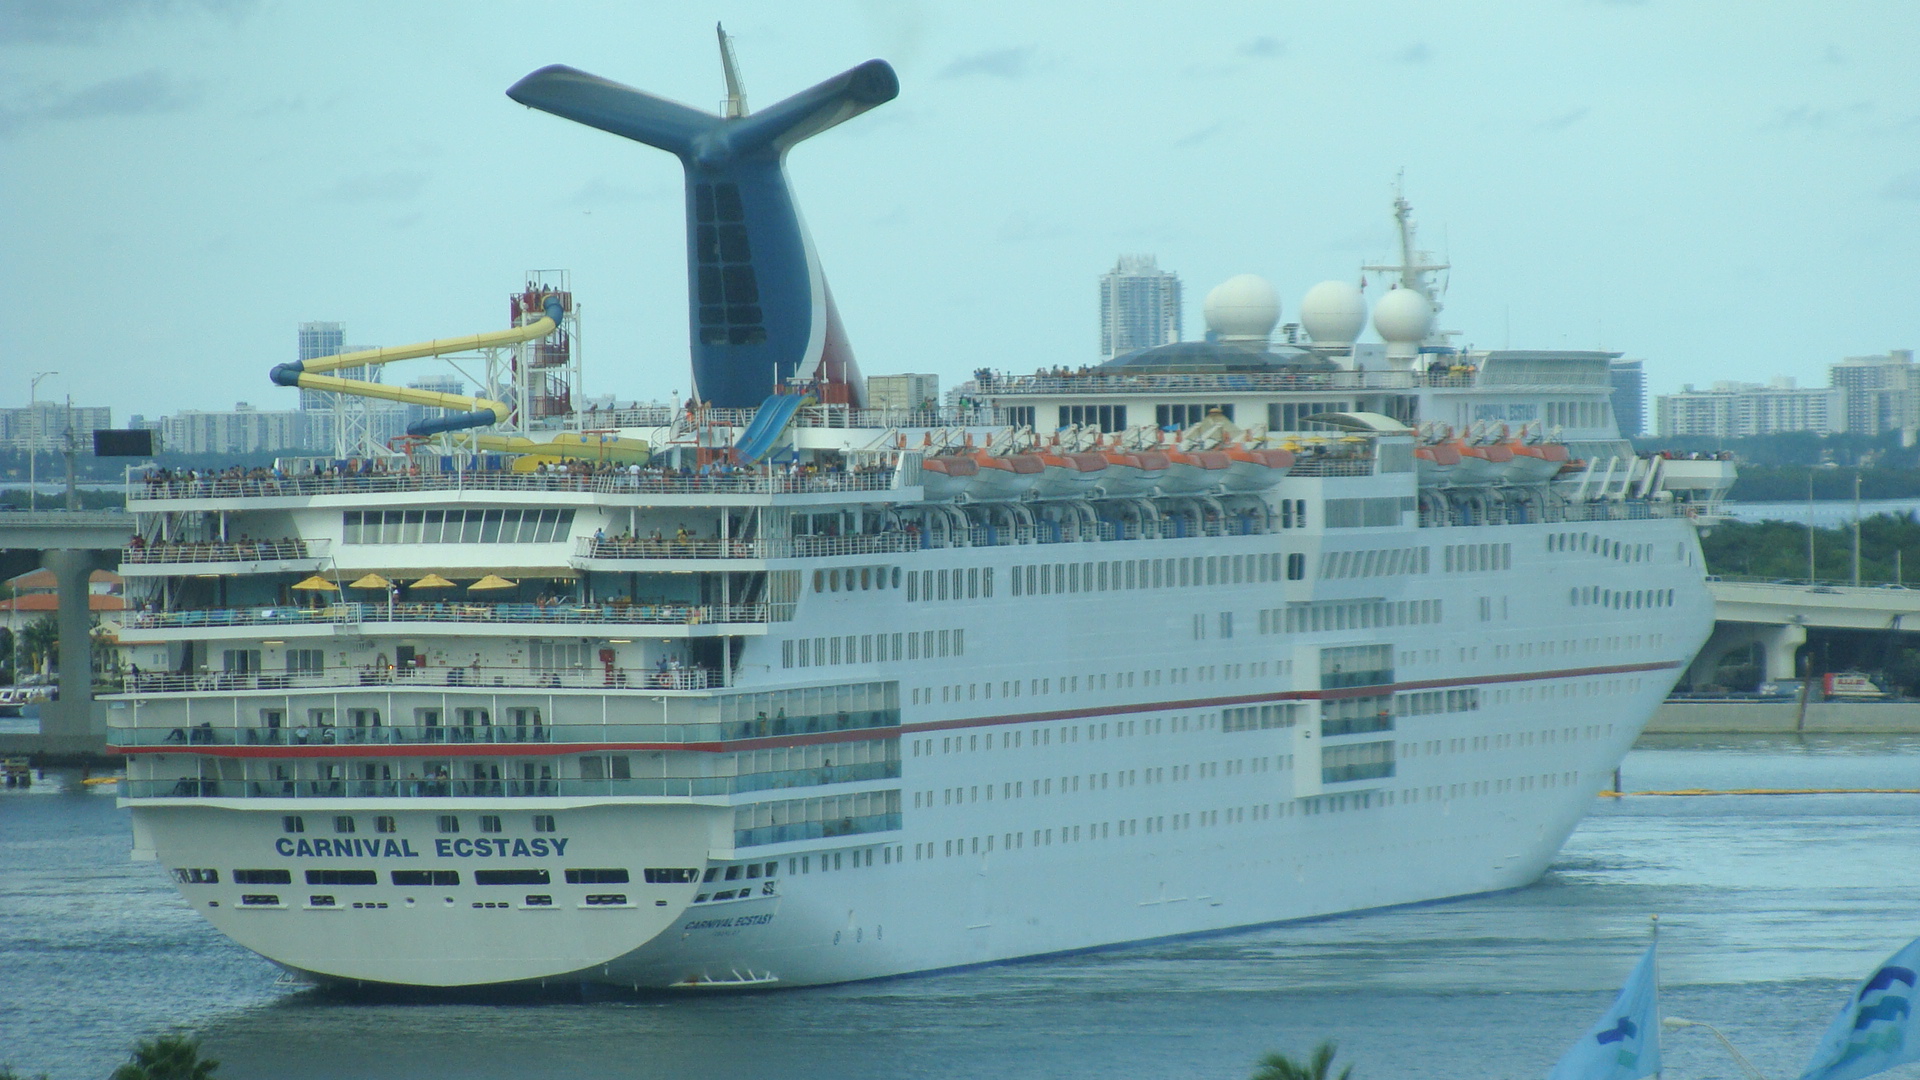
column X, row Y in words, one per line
column 1255, row 470
column 947, row 475
column 1006, row 477
column 1134, row 472
column 1436, row 463
column 1194, row 472
column 1534, row 462
column 1069, row 475
column 1482, row 464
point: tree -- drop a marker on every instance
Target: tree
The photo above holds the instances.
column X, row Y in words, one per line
column 1277, row 1066
column 166, row 1057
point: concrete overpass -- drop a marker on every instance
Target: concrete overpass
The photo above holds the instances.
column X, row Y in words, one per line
column 72, row 544
column 1776, row 616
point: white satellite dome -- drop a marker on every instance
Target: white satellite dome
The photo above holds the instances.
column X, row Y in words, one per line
column 1403, row 317
column 1333, row 313
column 1243, row 308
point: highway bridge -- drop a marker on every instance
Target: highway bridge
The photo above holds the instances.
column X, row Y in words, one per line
column 1776, row 615
column 72, row 544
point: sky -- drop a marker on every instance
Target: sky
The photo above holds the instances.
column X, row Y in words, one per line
column 1727, row 190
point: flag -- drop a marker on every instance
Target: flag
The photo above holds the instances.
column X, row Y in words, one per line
column 1625, row 1043
column 1875, row 1029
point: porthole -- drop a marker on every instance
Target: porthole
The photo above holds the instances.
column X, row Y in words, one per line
column 866, row 577
column 896, row 577
column 819, row 580
column 833, row 581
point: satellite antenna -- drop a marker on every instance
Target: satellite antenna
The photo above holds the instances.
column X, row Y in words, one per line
column 735, row 105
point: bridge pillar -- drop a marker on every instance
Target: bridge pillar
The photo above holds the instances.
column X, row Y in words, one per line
column 67, row 725
column 1781, row 644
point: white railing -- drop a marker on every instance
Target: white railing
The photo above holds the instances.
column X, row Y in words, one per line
column 738, row 482
column 650, row 614
column 457, row 677
column 798, row 547
column 225, row 551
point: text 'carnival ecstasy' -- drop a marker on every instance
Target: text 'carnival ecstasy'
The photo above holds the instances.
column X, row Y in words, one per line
column 792, row 688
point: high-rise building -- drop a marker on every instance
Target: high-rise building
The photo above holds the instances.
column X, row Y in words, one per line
column 1630, row 396
column 319, row 339
column 1882, row 392
column 903, row 392
column 1139, row 306
column 1733, row 409
column 245, row 430
column 439, row 384
column 44, row 425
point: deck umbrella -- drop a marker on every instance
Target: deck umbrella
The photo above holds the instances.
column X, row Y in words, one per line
column 316, row 583
column 433, row 581
column 371, row 581
column 492, row 581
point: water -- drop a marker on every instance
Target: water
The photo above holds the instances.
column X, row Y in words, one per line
column 1770, row 908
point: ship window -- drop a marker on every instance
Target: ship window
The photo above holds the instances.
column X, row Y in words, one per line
column 712, row 872
column 342, row 877
column 343, row 823
column 449, row 823
column 196, row 876
column 426, row 877
column 671, row 875
column 608, row 899
column 896, row 577
column 259, row 900
column 293, row 823
column 262, row 877
column 539, row 900
column 1296, row 567
column 597, row 877
column 543, row 823
column 528, row 876
column 490, row 823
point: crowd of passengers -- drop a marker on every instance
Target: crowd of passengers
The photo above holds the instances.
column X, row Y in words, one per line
column 241, row 547
column 723, row 469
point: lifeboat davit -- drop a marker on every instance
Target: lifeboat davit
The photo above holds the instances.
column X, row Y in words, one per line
column 1488, row 464
column 1133, row 472
column 945, row 476
column 1255, row 470
column 1436, row 464
column 1194, row 472
column 1067, row 476
column 1534, row 462
column 1006, row 477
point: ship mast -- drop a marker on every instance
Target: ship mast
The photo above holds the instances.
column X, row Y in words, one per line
column 735, row 105
column 1415, row 266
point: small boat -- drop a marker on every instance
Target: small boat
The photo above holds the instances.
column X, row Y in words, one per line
column 1007, row 477
column 1068, row 475
column 945, row 476
column 1255, row 470
column 1534, row 462
column 1133, row 472
column 1436, row 463
column 1194, row 472
column 1486, row 464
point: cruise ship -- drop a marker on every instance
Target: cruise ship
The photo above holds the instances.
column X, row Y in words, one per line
column 784, row 686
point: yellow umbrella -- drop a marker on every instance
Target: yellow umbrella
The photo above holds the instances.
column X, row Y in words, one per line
column 371, row 581
column 316, row 583
column 433, row 581
column 492, row 581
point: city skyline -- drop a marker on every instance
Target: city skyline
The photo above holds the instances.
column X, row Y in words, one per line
column 1600, row 175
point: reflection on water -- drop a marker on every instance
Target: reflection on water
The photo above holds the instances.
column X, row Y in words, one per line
column 1768, row 905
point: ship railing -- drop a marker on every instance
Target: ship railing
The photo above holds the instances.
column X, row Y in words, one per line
column 798, row 547
column 654, row 614
column 1258, row 382
column 441, row 787
column 448, row 738
column 1308, row 465
column 611, row 482
column 225, row 551
column 473, row 677
column 815, row 830
column 812, row 416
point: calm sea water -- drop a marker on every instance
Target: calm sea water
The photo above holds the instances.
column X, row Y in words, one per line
column 1770, row 907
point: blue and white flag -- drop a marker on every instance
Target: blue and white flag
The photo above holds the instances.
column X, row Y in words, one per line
column 1625, row 1043
column 1875, row 1029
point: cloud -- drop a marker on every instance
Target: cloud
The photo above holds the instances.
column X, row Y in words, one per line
column 86, row 22
column 999, row 63
column 1195, row 138
column 398, row 185
column 1416, row 53
column 144, row 94
column 1564, row 120
column 1905, row 187
column 1264, row 48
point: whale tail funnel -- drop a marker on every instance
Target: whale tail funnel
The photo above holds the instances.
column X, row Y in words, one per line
column 760, row 312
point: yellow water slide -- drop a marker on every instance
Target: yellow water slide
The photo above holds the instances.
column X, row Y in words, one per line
column 469, row 412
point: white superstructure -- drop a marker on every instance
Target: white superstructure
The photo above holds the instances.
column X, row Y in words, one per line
column 1211, row 636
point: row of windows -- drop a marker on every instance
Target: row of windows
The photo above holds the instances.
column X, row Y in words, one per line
column 1124, row 778
column 583, row 876
column 810, row 819
column 1429, row 702
column 969, row 583
column 455, row 526
column 1473, row 557
column 857, row 579
column 1385, row 562
column 1106, row 830
column 1150, row 573
column 1588, row 542
column 1108, row 418
column 1619, row 599
column 1356, row 761
column 1258, row 717
column 1356, row 715
column 1348, row 615
column 447, row 823
column 872, row 648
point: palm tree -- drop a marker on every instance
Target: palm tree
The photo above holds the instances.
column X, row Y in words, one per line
column 166, row 1057
column 1277, row 1066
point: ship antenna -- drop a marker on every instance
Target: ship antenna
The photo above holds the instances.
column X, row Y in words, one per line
column 736, row 103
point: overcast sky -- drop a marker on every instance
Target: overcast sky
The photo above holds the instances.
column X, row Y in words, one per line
column 1727, row 189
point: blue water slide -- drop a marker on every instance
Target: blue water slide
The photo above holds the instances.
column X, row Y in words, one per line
column 769, row 422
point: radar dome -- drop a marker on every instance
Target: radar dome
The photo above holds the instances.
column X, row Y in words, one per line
column 1333, row 313
column 1403, row 316
column 1243, row 308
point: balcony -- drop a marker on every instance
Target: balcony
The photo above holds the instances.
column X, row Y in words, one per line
column 222, row 557
column 798, row 547
column 606, row 481
column 434, row 678
column 447, row 739
column 442, row 787
column 470, row 614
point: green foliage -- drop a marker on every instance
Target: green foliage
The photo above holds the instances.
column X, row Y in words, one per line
column 7, row 1073
column 1777, row 550
column 40, row 640
column 1789, row 483
column 166, row 1057
column 1277, row 1066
